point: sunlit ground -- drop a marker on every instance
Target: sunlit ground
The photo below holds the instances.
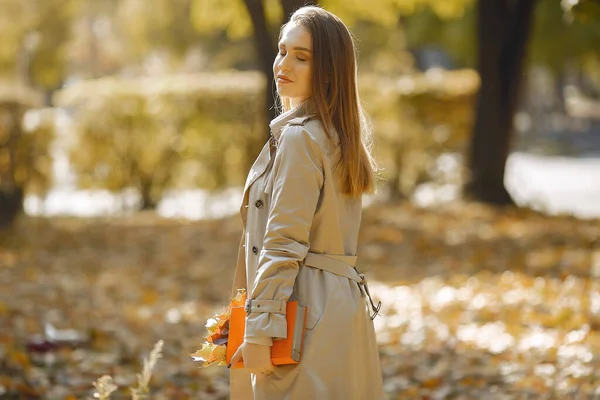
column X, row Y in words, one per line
column 489, row 335
column 477, row 303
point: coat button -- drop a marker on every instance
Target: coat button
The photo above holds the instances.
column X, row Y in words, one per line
column 258, row 203
column 254, row 249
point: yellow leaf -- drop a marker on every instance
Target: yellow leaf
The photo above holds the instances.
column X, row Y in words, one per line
column 203, row 354
column 218, row 354
column 239, row 300
column 212, row 325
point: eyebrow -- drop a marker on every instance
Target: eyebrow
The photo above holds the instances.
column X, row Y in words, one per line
column 298, row 48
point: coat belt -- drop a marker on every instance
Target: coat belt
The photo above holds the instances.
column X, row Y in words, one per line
column 342, row 266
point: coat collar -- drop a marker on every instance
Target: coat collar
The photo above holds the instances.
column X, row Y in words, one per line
column 305, row 108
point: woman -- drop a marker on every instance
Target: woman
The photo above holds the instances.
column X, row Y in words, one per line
column 301, row 212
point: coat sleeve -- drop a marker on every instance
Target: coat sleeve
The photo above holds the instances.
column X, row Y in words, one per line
column 297, row 181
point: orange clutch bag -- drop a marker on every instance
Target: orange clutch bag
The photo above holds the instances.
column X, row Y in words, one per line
column 283, row 351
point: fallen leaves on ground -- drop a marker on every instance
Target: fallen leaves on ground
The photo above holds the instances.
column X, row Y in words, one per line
column 477, row 303
column 485, row 304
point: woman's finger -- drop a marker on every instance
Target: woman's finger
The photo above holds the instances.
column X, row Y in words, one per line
column 237, row 356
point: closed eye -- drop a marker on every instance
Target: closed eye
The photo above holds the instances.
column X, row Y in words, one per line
column 281, row 53
column 300, row 50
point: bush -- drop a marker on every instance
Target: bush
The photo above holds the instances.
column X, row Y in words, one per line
column 173, row 132
column 416, row 118
column 205, row 130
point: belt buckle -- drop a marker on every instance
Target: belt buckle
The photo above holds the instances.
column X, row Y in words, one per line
column 248, row 306
column 374, row 307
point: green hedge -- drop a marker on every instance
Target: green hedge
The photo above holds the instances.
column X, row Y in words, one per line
column 182, row 131
column 416, row 118
column 204, row 130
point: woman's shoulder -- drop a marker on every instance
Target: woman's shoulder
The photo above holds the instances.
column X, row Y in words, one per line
column 312, row 126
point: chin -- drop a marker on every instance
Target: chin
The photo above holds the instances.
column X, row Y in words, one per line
column 285, row 93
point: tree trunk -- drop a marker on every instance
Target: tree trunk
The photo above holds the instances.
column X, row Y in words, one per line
column 503, row 33
column 289, row 6
column 394, row 183
column 148, row 202
column 11, row 205
column 266, row 53
column 12, row 192
column 267, row 49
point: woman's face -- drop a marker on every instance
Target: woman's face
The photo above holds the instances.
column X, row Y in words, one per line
column 293, row 65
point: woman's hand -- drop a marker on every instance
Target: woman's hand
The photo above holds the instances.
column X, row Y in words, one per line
column 257, row 358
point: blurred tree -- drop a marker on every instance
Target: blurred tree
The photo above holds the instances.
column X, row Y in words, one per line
column 454, row 35
column 260, row 19
column 168, row 26
column 117, row 36
column 289, row 6
column 562, row 36
column 582, row 10
column 25, row 161
column 35, row 35
column 558, row 37
column 263, row 18
column 503, row 31
column 266, row 51
column 11, row 194
column 266, row 44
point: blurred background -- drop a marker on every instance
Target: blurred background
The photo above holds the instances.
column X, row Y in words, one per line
column 127, row 128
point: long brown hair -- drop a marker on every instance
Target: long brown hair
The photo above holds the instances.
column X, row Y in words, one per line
column 335, row 96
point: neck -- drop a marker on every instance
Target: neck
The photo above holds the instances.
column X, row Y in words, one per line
column 293, row 102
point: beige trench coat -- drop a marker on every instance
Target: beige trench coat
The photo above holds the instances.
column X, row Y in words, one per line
column 299, row 242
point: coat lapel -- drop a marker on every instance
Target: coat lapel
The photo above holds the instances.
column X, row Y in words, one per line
column 262, row 162
column 258, row 168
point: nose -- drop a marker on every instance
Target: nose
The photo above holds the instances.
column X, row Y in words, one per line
column 283, row 63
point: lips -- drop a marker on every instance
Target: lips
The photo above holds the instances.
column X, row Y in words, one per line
column 283, row 79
